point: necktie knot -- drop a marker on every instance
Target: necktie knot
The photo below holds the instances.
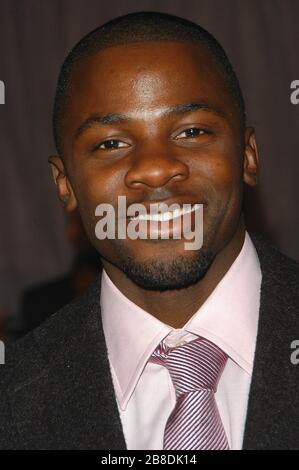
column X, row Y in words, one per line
column 196, row 365
column 195, row 369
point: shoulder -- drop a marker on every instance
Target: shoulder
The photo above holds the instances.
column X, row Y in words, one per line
column 279, row 299
column 61, row 332
column 276, row 265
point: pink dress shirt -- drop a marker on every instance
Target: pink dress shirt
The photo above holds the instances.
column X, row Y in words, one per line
column 144, row 391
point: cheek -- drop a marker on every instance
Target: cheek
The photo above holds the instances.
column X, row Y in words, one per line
column 92, row 186
column 222, row 167
column 224, row 176
column 218, row 175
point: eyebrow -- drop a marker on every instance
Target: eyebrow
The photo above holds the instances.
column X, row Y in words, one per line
column 118, row 118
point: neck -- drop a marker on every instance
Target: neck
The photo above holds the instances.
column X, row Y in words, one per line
column 162, row 305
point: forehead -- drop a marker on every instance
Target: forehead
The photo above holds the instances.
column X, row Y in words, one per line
column 145, row 75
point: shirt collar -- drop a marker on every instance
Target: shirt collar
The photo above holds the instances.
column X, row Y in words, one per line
column 229, row 318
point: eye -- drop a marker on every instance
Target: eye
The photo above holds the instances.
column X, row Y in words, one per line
column 192, row 132
column 110, row 144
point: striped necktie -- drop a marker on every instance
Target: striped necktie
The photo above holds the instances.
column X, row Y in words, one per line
column 195, row 369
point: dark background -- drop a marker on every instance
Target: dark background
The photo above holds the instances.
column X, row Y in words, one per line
column 261, row 38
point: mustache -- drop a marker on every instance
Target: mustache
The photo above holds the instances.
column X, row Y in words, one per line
column 168, row 197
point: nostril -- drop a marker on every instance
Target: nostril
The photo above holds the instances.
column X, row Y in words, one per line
column 155, row 173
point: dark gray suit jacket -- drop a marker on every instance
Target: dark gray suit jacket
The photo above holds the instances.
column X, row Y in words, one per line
column 56, row 390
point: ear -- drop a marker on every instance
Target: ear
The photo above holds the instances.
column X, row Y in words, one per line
column 251, row 159
column 63, row 185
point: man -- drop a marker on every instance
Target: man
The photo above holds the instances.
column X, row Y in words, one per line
column 148, row 107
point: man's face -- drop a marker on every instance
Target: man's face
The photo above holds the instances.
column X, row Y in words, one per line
column 151, row 155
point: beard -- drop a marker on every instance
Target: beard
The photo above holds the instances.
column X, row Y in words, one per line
column 178, row 273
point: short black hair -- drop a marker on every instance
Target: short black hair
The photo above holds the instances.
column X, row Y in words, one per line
column 140, row 27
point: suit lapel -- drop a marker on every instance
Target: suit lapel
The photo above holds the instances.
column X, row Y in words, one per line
column 273, row 408
column 64, row 396
column 70, row 403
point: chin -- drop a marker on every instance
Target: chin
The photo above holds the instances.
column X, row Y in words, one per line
column 161, row 275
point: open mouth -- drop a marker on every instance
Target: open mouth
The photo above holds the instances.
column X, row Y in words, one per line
column 167, row 215
column 179, row 223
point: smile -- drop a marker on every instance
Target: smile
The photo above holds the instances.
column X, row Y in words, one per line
column 167, row 215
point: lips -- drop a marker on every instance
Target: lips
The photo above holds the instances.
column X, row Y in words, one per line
column 165, row 215
column 167, row 224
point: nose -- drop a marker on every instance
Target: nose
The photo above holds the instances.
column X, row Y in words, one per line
column 155, row 167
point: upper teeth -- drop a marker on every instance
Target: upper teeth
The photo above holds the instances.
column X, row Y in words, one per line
column 166, row 215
